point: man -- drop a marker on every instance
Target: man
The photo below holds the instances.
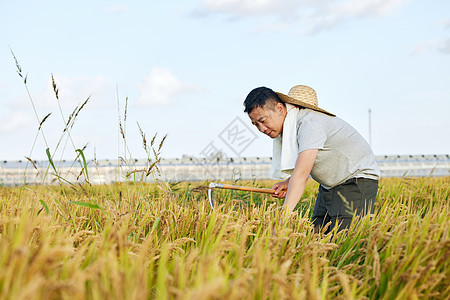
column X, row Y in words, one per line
column 308, row 140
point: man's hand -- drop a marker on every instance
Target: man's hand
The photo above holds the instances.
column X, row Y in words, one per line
column 280, row 189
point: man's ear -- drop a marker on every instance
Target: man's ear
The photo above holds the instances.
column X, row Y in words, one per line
column 280, row 107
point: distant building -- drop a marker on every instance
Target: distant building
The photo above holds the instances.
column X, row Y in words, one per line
column 189, row 168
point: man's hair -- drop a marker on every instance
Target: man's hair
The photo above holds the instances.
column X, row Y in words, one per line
column 259, row 97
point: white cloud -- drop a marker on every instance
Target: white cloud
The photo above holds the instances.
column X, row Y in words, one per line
column 332, row 14
column 365, row 8
column 445, row 23
column 118, row 9
column 15, row 121
column 75, row 90
column 72, row 91
column 444, row 46
column 424, row 47
column 271, row 26
column 160, row 86
column 441, row 45
column 316, row 16
column 247, row 8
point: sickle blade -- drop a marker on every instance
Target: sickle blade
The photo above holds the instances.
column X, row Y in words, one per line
column 210, row 191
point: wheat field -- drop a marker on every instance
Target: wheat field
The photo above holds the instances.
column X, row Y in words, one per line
column 140, row 241
column 134, row 240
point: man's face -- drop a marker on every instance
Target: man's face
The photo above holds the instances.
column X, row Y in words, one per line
column 269, row 119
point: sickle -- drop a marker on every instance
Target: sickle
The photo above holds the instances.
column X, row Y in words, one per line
column 214, row 185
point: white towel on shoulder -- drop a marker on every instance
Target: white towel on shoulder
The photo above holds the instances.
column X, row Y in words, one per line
column 285, row 150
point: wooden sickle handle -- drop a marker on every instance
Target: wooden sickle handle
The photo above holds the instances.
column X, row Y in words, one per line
column 248, row 189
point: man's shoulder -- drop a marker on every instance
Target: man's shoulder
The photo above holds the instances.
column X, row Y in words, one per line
column 308, row 116
column 312, row 114
column 310, row 124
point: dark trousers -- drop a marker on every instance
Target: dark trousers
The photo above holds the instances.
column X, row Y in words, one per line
column 338, row 205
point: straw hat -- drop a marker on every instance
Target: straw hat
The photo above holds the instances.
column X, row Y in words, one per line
column 302, row 95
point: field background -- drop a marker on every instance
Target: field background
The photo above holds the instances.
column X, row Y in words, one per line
column 137, row 241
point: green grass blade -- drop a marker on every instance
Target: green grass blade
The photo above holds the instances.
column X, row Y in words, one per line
column 45, row 206
column 85, row 204
column 50, row 160
column 65, row 180
column 155, row 224
column 84, row 163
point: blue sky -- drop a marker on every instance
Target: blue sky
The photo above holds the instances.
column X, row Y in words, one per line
column 186, row 67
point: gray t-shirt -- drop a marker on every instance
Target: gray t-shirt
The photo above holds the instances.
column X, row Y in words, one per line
column 343, row 152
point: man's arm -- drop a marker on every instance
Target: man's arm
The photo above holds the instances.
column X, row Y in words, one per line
column 299, row 177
